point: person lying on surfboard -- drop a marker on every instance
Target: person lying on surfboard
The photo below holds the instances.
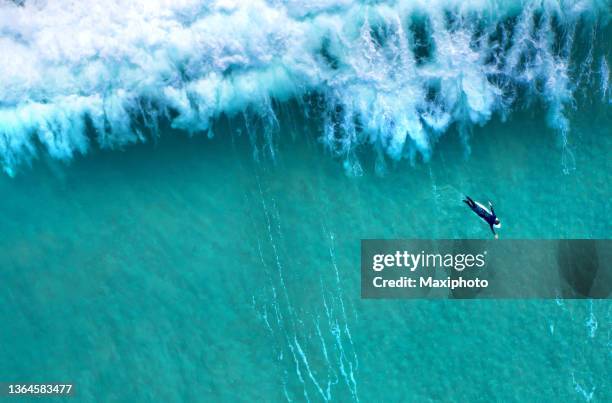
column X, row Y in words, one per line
column 484, row 213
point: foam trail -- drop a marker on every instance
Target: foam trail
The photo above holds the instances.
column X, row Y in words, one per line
column 591, row 323
column 337, row 329
column 604, row 72
column 393, row 75
column 580, row 389
column 315, row 346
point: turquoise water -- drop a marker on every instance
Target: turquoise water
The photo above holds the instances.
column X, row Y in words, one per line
column 186, row 185
column 183, row 269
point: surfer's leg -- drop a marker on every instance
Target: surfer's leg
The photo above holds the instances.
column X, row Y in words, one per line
column 469, row 202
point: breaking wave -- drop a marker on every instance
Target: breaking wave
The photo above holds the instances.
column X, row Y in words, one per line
column 394, row 75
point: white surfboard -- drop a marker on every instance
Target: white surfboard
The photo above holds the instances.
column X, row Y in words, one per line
column 488, row 211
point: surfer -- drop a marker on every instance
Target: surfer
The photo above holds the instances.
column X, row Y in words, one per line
column 484, row 213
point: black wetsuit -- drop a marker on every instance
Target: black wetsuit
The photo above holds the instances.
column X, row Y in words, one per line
column 490, row 218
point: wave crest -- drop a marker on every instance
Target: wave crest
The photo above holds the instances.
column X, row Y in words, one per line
column 393, row 75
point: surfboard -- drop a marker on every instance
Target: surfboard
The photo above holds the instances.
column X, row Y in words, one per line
column 488, row 211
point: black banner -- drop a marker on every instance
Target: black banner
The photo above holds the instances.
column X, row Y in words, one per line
column 475, row 268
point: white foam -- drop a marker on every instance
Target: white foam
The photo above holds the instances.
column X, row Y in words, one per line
column 604, row 72
column 65, row 63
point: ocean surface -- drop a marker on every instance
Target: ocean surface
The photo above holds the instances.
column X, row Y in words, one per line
column 181, row 212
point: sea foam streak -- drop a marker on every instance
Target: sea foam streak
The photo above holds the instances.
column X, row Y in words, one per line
column 394, row 75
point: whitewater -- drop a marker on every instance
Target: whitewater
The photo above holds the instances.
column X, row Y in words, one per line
column 392, row 76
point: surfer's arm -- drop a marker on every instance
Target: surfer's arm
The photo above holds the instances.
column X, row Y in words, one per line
column 491, row 207
column 492, row 229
